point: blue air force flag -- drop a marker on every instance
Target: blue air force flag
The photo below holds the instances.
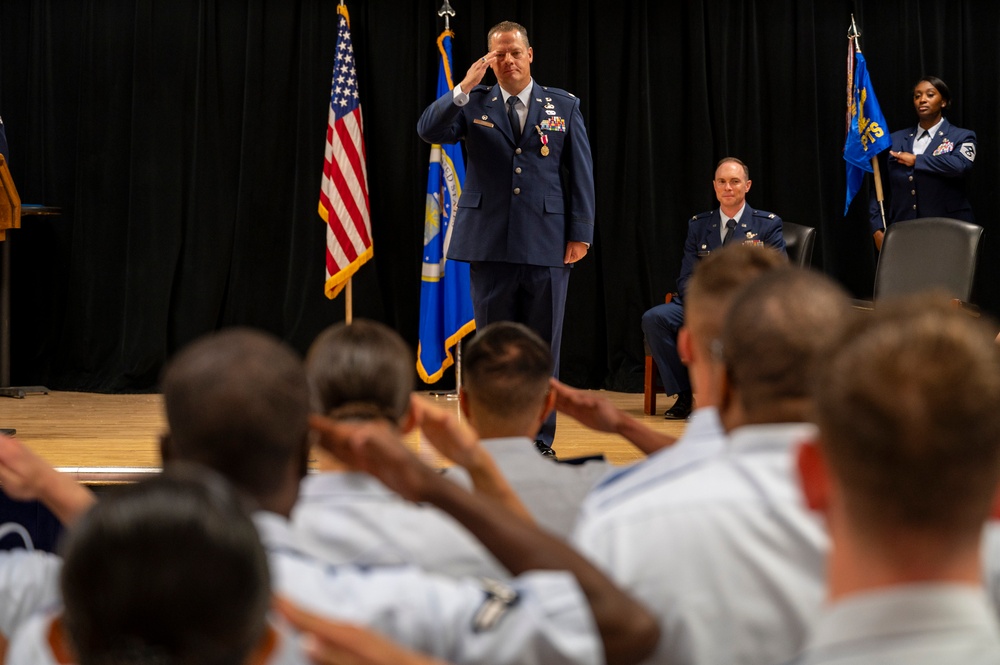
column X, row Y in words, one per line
column 868, row 134
column 445, row 299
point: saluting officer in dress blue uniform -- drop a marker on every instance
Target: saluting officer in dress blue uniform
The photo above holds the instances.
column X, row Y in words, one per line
column 734, row 221
column 526, row 213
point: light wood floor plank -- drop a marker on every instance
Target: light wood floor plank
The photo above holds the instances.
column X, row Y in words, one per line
column 72, row 429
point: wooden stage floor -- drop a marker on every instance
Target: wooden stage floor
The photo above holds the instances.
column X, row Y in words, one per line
column 90, row 433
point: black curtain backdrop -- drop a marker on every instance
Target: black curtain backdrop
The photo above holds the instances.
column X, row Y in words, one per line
column 183, row 140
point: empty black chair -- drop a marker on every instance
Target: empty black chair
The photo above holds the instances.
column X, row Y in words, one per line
column 799, row 242
column 929, row 253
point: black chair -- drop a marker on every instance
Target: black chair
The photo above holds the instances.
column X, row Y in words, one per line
column 933, row 253
column 799, row 243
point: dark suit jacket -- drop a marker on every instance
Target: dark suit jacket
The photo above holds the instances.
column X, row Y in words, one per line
column 517, row 205
column 704, row 236
column 935, row 185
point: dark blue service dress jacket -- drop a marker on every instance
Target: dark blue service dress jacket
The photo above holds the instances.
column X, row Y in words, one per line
column 518, row 205
column 935, row 185
column 758, row 227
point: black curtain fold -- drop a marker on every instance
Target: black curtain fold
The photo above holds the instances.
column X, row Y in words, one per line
column 184, row 142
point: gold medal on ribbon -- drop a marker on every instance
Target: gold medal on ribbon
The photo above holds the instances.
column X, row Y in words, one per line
column 545, row 141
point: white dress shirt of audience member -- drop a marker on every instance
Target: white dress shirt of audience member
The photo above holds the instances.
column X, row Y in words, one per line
column 906, row 470
column 725, row 552
column 362, row 372
column 205, row 591
column 238, row 401
column 714, row 282
column 28, row 583
column 29, row 579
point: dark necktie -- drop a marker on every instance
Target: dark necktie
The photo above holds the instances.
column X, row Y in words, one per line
column 515, row 122
column 730, row 231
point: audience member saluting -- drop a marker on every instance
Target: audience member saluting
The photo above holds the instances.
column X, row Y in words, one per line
column 168, row 570
column 360, row 373
column 506, row 395
column 238, row 401
column 713, row 287
column 724, row 551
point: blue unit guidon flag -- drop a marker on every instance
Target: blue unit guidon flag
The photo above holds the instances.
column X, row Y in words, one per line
column 868, row 133
column 445, row 297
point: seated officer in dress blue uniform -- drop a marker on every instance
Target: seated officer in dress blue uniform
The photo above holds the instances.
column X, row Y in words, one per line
column 733, row 221
column 526, row 214
column 906, row 469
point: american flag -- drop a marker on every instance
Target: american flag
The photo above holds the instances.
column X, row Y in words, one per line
column 343, row 198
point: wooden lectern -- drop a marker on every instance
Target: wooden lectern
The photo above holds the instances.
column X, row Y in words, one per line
column 10, row 203
column 11, row 212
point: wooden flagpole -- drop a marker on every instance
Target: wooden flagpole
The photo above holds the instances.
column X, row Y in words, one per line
column 854, row 35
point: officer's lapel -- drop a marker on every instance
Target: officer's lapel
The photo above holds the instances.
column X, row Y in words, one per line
column 497, row 112
column 714, row 240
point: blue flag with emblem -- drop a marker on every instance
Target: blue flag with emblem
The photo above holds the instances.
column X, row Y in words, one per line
column 868, row 133
column 445, row 298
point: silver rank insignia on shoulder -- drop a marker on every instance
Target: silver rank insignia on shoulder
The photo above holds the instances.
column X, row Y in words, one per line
column 771, row 216
column 499, row 598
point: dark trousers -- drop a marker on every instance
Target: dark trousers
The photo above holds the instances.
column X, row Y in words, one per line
column 532, row 295
column 660, row 325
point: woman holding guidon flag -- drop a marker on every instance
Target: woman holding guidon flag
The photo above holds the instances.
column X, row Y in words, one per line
column 927, row 164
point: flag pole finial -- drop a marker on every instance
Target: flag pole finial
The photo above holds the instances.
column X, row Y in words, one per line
column 855, row 34
column 447, row 12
